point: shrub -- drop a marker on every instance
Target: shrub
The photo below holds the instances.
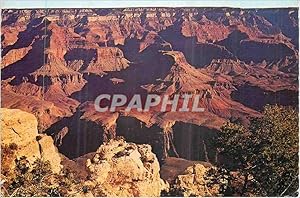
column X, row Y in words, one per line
column 37, row 179
column 264, row 155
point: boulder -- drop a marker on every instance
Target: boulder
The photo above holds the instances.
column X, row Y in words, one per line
column 126, row 169
column 20, row 128
column 193, row 182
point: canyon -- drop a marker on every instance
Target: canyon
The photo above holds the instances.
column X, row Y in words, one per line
column 56, row 62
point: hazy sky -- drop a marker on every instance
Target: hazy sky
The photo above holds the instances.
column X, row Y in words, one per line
column 146, row 3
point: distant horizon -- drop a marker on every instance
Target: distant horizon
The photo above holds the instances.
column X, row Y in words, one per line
column 42, row 4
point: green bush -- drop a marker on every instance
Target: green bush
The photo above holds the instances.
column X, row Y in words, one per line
column 37, row 179
column 263, row 156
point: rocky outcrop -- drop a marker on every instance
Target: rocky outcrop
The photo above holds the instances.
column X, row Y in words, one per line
column 20, row 128
column 96, row 60
column 126, row 169
column 183, row 78
column 10, row 34
column 193, row 182
column 48, row 107
column 55, row 71
column 14, row 56
column 107, row 59
column 227, row 66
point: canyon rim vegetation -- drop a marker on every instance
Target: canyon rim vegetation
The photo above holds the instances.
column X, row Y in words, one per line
column 241, row 65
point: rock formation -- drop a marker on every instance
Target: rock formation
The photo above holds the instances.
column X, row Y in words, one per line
column 117, row 168
column 193, row 182
column 126, row 169
column 20, row 128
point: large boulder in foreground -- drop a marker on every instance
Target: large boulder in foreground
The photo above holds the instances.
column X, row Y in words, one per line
column 19, row 131
column 126, row 169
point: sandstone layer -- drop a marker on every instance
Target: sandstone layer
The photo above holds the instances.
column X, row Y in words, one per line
column 126, row 169
column 20, row 128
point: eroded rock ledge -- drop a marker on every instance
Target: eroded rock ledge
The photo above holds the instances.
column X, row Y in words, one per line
column 20, row 128
column 126, row 169
column 118, row 168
